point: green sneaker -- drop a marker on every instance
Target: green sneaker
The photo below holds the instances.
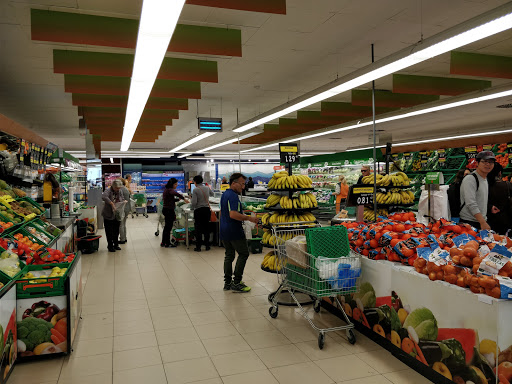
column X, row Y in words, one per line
column 240, row 287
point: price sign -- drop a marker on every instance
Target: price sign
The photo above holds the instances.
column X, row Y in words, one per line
column 441, row 153
column 487, row 147
column 289, row 153
column 407, row 156
column 509, row 147
column 361, row 195
column 470, row 152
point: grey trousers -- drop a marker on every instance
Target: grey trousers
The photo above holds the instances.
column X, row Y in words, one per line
column 122, row 229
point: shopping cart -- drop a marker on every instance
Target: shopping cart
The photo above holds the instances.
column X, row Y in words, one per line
column 317, row 276
column 177, row 231
column 161, row 217
column 141, row 203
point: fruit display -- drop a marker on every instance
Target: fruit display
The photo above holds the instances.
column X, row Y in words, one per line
column 38, row 234
column 322, row 196
column 39, row 276
column 443, row 250
column 271, row 263
column 269, row 218
column 53, row 256
column 301, row 201
column 9, row 263
column 5, row 225
column 9, row 214
column 281, row 180
column 254, row 207
column 33, row 245
column 395, row 197
column 395, row 179
column 502, row 160
column 47, row 227
column 19, row 193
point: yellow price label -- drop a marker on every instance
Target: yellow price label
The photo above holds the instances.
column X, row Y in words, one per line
column 289, row 148
column 224, row 187
column 362, row 190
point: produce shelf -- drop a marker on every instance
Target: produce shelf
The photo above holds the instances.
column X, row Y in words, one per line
column 290, row 209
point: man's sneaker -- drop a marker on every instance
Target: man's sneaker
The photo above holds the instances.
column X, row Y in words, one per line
column 227, row 286
column 240, row 287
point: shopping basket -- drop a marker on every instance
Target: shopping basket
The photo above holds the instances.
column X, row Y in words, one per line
column 329, row 273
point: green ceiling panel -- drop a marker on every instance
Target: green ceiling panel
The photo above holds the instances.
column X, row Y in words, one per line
column 475, row 64
column 390, row 99
column 115, row 64
column 76, row 28
column 120, row 86
column 429, row 85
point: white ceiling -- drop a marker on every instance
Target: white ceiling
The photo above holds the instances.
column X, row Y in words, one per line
column 284, row 56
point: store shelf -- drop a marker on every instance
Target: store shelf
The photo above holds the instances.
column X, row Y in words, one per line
column 385, row 186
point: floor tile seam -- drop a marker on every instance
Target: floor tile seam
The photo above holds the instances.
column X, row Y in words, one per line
column 390, row 354
column 334, row 380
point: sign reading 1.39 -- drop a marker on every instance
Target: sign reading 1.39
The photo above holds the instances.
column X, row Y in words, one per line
column 289, row 153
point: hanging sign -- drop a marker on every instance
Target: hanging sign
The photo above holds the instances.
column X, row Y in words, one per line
column 279, row 167
column 289, row 153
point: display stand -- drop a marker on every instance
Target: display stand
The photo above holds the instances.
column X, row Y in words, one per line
column 285, row 297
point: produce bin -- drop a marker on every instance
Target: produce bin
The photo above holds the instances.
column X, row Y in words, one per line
column 8, row 331
column 53, row 306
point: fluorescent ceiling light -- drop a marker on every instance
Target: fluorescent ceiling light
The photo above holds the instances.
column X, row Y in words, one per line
column 185, row 155
column 361, row 149
column 255, row 149
column 158, row 20
column 230, row 141
column 466, row 100
column 453, row 137
column 112, row 160
column 486, row 25
column 192, row 141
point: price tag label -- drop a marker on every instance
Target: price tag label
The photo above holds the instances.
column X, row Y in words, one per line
column 487, row 147
column 407, row 156
column 423, row 157
column 289, row 153
column 441, row 153
column 362, row 195
column 509, row 147
column 470, row 152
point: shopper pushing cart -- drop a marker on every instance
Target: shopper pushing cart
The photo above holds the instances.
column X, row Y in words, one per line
column 329, row 272
column 170, row 197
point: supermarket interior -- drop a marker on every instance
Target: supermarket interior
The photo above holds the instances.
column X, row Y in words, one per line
column 255, row 191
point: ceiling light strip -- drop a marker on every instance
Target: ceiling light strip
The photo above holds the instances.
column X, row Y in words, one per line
column 494, row 93
column 184, row 155
column 192, row 141
column 157, row 23
column 485, row 25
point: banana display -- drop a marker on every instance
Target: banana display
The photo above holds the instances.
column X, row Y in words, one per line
column 396, row 179
column 277, row 218
column 369, row 214
column 281, row 180
column 272, row 262
column 395, row 196
column 302, row 201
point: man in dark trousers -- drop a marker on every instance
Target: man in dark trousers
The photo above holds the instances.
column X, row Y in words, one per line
column 232, row 234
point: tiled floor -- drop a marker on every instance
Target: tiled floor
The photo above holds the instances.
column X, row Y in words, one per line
column 154, row 315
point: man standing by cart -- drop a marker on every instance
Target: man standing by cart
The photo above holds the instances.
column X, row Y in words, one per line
column 474, row 192
column 232, row 234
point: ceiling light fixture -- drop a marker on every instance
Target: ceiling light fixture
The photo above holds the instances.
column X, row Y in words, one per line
column 452, row 137
column 112, row 160
column 158, row 20
column 184, row 155
column 485, row 25
column 192, row 141
column 231, row 141
column 364, row 148
column 468, row 99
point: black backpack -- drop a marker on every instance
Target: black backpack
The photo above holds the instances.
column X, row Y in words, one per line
column 454, row 197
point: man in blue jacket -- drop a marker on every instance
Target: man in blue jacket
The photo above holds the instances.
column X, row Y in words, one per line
column 232, row 234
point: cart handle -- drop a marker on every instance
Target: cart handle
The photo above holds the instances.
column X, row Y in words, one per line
column 94, row 238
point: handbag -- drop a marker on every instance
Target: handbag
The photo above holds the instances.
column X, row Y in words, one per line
column 213, row 216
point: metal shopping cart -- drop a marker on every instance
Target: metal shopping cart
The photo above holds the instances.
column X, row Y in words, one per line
column 178, row 227
column 317, row 276
column 141, row 203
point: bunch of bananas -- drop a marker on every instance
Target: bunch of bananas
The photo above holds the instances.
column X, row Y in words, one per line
column 272, row 200
column 272, row 262
column 369, row 214
column 277, row 218
column 302, row 201
column 281, row 180
column 395, row 196
column 269, row 239
column 396, row 179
